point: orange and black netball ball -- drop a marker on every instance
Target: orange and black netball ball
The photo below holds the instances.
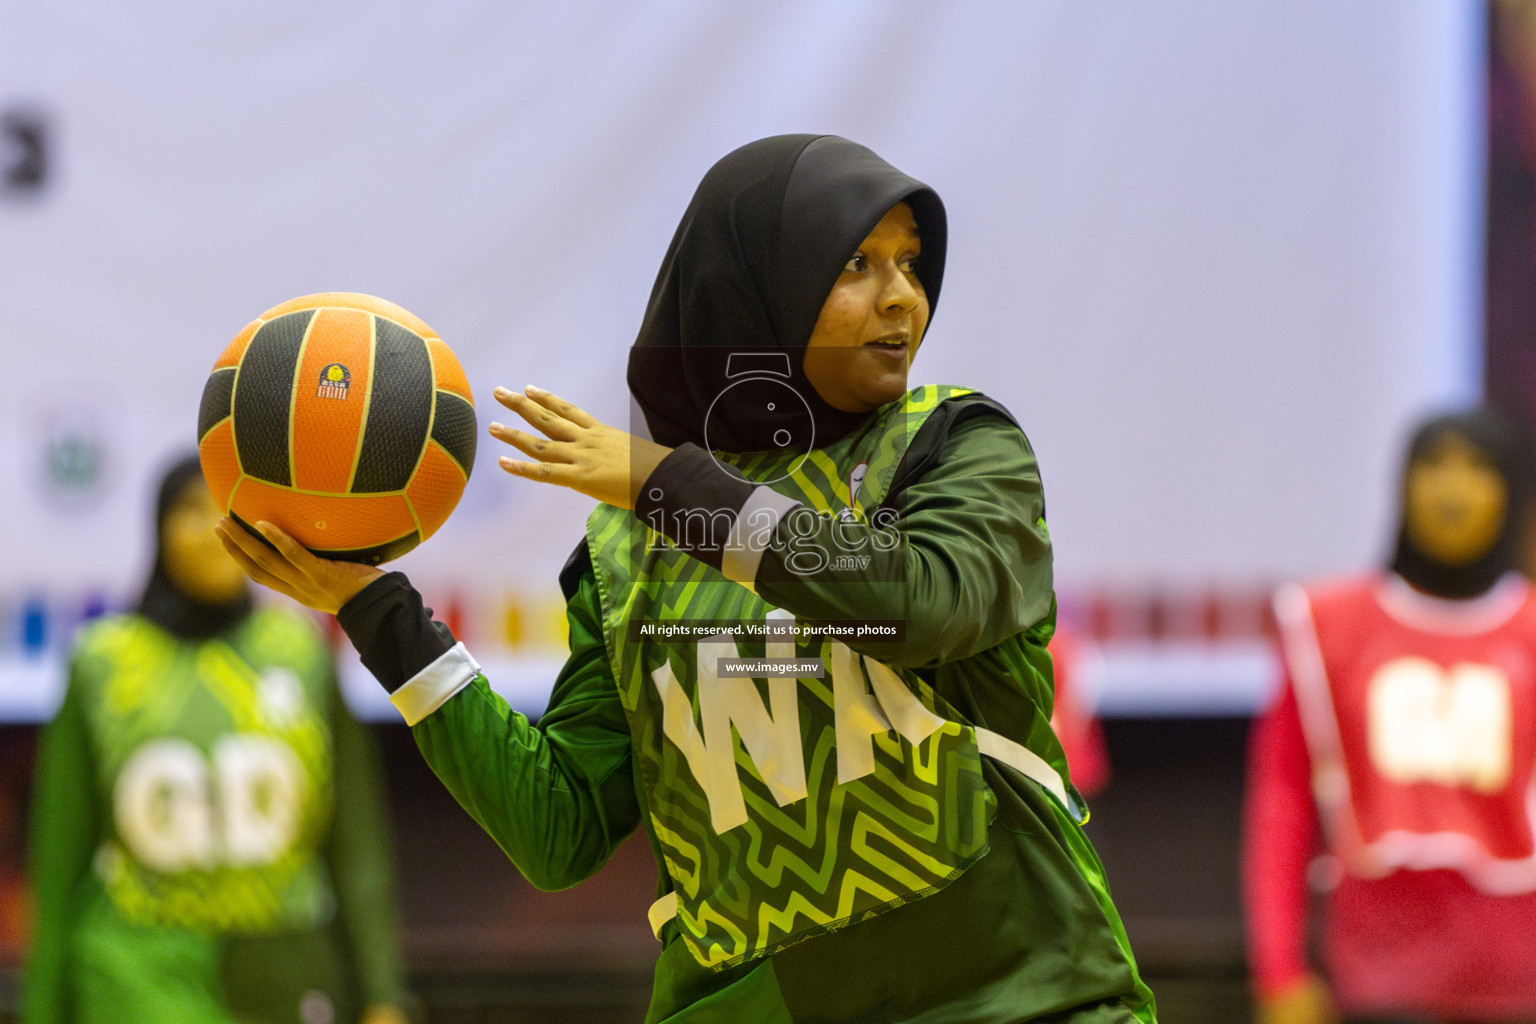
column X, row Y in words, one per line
column 343, row 419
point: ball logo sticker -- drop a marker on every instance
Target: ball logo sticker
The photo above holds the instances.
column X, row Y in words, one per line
column 335, row 382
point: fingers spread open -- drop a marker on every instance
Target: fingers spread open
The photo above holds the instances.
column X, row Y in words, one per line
column 553, row 425
column 270, row 558
column 544, row 472
column 560, row 407
column 295, row 554
column 252, row 568
column 540, row 448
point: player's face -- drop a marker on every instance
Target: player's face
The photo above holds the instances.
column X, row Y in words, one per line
column 194, row 558
column 1456, row 502
column 873, row 320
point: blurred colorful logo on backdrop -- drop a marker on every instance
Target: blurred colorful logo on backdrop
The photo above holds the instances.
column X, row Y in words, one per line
column 71, row 457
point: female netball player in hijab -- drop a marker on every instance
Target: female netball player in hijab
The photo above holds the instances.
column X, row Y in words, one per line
column 1403, row 744
column 208, row 839
column 881, row 831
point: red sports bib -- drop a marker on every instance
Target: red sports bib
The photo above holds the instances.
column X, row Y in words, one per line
column 1420, row 717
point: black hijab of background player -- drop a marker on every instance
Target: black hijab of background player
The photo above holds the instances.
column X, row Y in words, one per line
column 758, row 250
column 164, row 603
column 1506, row 446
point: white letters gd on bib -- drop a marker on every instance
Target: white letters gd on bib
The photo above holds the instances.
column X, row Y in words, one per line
column 177, row 809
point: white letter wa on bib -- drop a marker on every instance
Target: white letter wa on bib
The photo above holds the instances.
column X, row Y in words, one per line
column 771, row 735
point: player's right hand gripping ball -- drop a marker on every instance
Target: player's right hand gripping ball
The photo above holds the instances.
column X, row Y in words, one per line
column 343, row 419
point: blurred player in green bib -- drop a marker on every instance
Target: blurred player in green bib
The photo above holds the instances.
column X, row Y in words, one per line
column 808, row 628
column 208, row 840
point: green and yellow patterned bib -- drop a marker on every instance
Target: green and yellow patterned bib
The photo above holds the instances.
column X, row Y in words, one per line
column 786, row 807
column 213, row 759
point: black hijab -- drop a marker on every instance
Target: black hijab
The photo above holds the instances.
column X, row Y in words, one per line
column 164, row 603
column 759, row 248
column 1506, row 446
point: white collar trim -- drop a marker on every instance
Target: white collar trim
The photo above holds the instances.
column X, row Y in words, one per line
column 1468, row 616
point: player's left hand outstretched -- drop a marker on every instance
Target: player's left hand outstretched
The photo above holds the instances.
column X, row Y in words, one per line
column 320, row 583
column 576, row 451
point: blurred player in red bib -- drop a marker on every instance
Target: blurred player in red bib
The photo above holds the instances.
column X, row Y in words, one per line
column 1403, row 740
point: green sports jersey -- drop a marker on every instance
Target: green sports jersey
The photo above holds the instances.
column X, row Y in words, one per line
column 1027, row 931
column 194, row 800
column 213, row 761
column 841, row 795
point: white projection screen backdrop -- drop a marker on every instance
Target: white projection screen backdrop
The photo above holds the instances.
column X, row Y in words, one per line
column 1214, row 257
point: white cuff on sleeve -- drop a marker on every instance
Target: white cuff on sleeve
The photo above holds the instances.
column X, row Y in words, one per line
column 432, row 687
column 756, row 521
